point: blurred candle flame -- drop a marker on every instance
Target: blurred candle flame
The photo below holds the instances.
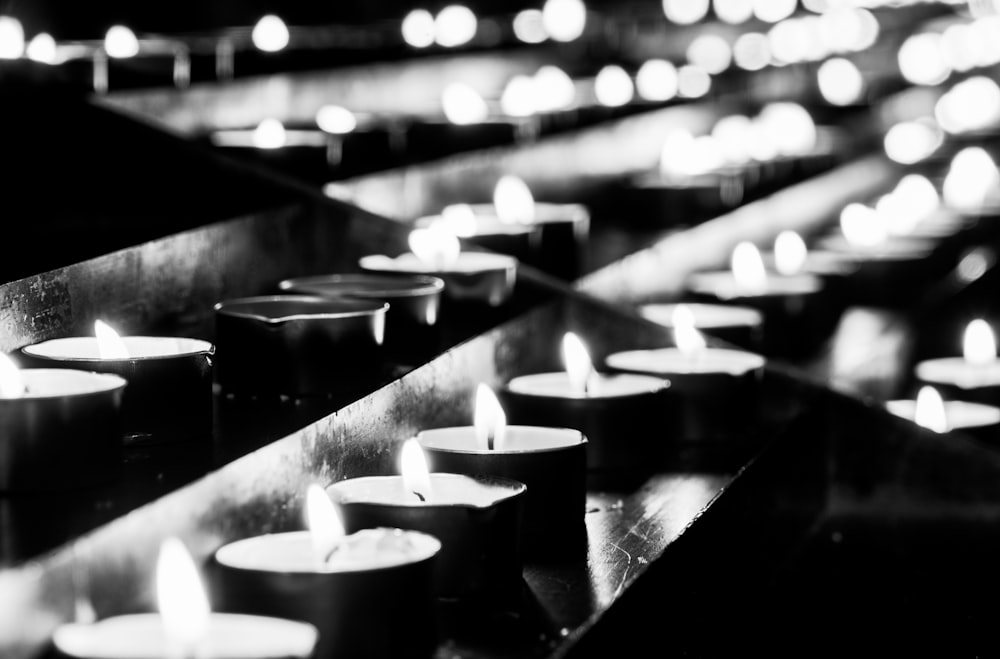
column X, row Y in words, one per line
column 183, row 604
column 42, row 48
column 579, row 367
column 748, row 268
column 979, row 345
column 11, row 380
column 436, row 246
column 687, row 337
column 862, row 226
column 790, row 253
column 489, row 419
column 109, row 342
column 564, row 20
column 11, row 38
column 462, row 105
column 554, row 89
column 513, row 201
column 455, row 25
column 269, row 134
column 325, row 527
column 120, row 42
column 413, row 467
column 929, row 411
column 418, row 28
column 270, row 34
column 460, row 219
column 613, row 86
column 972, row 179
column 336, row 120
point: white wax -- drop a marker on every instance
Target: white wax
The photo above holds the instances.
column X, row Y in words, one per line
column 467, row 262
column 446, row 490
column 666, row 361
column 230, row 636
column 139, row 347
column 55, row 382
column 959, row 413
column 517, row 439
column 959, row 372
column 483, row 225
column 706, row 316
column 558, row 385
column 545, row 212
column 892, row 249
column 247, row 138
column 723, row 285
column 367, row 549
column 821, row 262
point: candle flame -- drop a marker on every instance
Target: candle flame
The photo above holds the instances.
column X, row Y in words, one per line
column 462, row 105
column 513, row 201
column 109, row 343
column 460, row 219
column 11, row 380
column 413, row 467
column 435, row 246
column 270, row 34
column 182, row 601
column 489, row 419
column 325, row 526
column 748, row 268
column 972, row 179
column 269, row 134
column 687, row 337
column 579, row 367
column 979, row 345
column 336, row 120
column 862, row 226
column 120, row 42
column 930, row 412
column 790, row 253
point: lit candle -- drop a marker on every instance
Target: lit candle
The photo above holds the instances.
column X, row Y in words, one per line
column 739, row 325
column 515, row 236
column 61, row 428
column 718, row 389
column 482, row 277
column 369, row 593
column 476, row 518
column 621, row 414
column 169, row 393
column 299, row 345
column 551, row 462
column 931, row 411
column 185, row 626
column 973, row 376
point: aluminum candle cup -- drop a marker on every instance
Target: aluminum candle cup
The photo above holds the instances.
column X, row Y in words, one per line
column 551, row 462
column 299, row 345
column 741, row 326
column 717, row 389
column 479, row 277
column 476, row 518
column 64, row 432
column 414, row 303
column 230, row 636
column 625, row 417
column 372, row 598
column 169, row 393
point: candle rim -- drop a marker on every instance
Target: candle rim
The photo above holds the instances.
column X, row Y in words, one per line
column 657, row 386
column 906, row 408
column 723, row 284
column 414, row 285
column 661, row 312
column 203, row 348
column 511, row 489
column 550, row 211
column 748, row 361
column 493, row 263
column 362, row 307
column 423, row 438
column 497, row 228
column 112, row 381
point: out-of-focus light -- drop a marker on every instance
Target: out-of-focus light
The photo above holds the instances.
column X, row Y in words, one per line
column 693, row 81
column 862, row 226
column 961, row 47
column 120, row 42
column 920, row 60
column 656, row 80
column 418, row 28
column 675, row 151
column 11, row 38
column 839, row 81
column 685, row 12
column 790, row 127
column 518, row 97
column 710, row 52
column 42, row 48
column 986, row 29
column 564, row 20
column 848, row 29
column 916, row 198
column 733, row 135
column 462, row 105
column 909, row 142
column 789, row 41
column 772, row 11
column 270, row 34
column 455, row 25
column 972, row 180
column 613, row 86
column 336, row 120
column 529, row 26
column 733, row 12
column 554, row 89
column 269, row 134
column 973, row 104
column 752, row 51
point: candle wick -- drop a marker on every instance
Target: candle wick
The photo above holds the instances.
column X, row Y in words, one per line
column 490, row 440
column 330, row 554
column 419, row 495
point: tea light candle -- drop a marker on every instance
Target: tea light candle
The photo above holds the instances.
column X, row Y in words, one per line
column 61, row 428
column 615, row 411
column 739, row 325
column 551, row 462
column 369, row 593
column 185, row 626
column 299, row 345
column 476, row 518
column 975, row 375
column 490, row 231
column 482, row 277
column 931, row 411
column 704, row 380
column 169, row 393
